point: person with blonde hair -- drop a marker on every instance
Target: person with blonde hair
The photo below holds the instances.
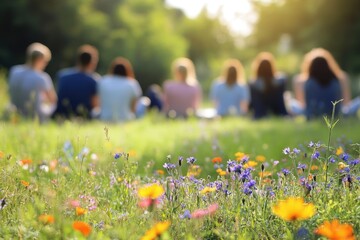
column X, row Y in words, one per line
column 267, row 87
column 118, row 92
column 230, row 92
column 182, row 95
column 321, row 82
column 31, row 89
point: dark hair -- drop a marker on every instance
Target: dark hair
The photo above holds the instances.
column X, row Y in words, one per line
column 320, row 71
column 122, row 67
column 231, row 76
column 35, row 55
column 266, row 73
column 84, row 59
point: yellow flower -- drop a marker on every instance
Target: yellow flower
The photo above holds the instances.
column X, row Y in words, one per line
column 156, row 230
column 293, row 209
column 342, row 165
column 260, row 158
column 80, row 211
column 335, row 231
column 339, row 151
column 239, row 155
column 314, row 167
column 222, row 172
column 194, row 170
column 250, row 164
column 207, row 190
column 152, row 191
column 1, row 154
column 265, row 174
column 46, row 219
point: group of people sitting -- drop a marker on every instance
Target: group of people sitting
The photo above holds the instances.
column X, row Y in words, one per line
column 117, row 96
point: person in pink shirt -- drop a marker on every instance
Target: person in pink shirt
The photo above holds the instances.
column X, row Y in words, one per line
column 182, row 95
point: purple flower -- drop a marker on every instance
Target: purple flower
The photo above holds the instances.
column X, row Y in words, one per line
column 345, row 157
column 190, row 160
column 286, row 151
column 117, row 155
column 315, row 155
column 169, row 166
column 185, row 215
column 296, row 151
column 332, row 160
column 285, row 171
column 247, row 191
column 250, row 184
column 354, row 162
column 311, row 144
column 301, row 166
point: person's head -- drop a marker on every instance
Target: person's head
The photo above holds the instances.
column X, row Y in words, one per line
column 38, row 56
column 184, row 71
column 87, row 58
column 122, row 67
column 233, row 72
column 321, row 66
column 264, row 68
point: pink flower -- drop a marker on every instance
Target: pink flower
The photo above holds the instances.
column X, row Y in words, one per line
column 74, row 203
column 205, row 212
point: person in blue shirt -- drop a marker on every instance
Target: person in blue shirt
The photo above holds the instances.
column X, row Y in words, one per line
column 77, row 89
column 230, row 92
column 267, row 88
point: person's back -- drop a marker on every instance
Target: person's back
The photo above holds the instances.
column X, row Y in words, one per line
column 268, row 102
column 30, row 88
column 229, row 97
column 75, row 93
column 318, row 98
column 117, row 95
column 77, row 88
column 181, row 97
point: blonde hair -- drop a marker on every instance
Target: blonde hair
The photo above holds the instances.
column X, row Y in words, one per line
column 186, row 69
column 233, row 72
column 37, row 50
column 322, row 53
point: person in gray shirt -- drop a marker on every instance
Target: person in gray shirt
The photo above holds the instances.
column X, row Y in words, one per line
column 31, row 89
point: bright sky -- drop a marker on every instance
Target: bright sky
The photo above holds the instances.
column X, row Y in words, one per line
column 237, row 14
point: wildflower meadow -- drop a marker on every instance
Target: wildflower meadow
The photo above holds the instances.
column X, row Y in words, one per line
column 197, row 179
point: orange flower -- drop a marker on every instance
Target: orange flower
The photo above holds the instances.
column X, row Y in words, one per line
column 82, row 227
column 216, row 160
column 250, row 164
column 160, row 172
column 25, row 183
column 80, row 211
column 314, row 167
column 53, row 164
column 46, row 219
column 1, row 154
column 335, row 231
column 265, row 174
column 156, row 231
column 260, row 158
column 293, row 209
column 25, row 161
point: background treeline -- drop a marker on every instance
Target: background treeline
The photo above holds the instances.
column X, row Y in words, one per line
column 152, row 35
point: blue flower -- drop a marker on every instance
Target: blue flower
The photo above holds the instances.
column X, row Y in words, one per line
column 169, row 166
column 286, row 151
column 345, row 157
column 301, row 166
column 285, row 171
column 311, row 144
column 180, row 160
column 247, row 191
column 332, row 160
column 296, row 151
column 190, row 160
column 354, row 162
column 185, row 215
column 250, row 184
column 315, row 155
column 117, row 155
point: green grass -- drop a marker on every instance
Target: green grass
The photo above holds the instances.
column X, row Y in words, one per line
column 87, row 172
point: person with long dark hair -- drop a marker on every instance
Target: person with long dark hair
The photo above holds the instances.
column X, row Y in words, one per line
column 230, row 92
column 322, row 82
column 267, row 88
column 119, row 92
